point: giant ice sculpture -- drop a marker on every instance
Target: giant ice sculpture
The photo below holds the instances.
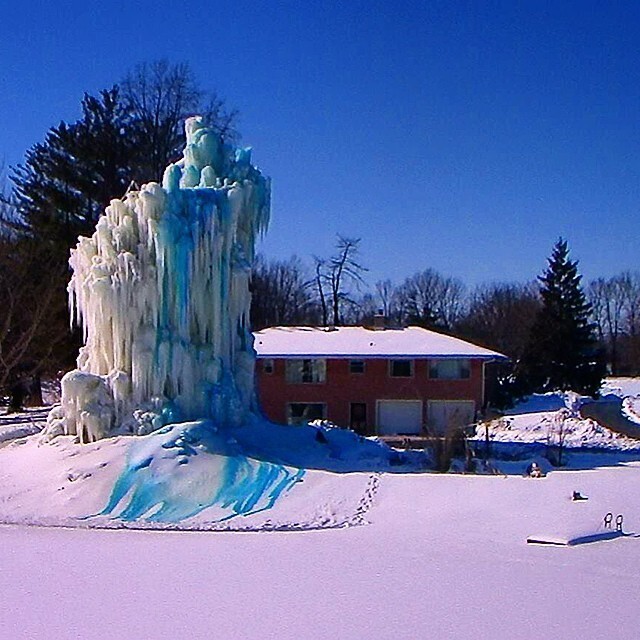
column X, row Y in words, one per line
column 161, row 290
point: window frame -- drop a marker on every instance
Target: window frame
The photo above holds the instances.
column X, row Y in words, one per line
column 302, row 421
column 318, row 369
column 364, row 426
column 433, row 366
column 411, row 362
column 361, row 362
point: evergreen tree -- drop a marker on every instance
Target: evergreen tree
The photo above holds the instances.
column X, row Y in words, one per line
column 67, row 181
column 561, row 351
column 124, row 133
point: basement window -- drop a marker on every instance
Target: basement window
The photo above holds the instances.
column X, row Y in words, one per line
column 302, row 412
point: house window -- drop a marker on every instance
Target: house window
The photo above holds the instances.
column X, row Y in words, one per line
column 451, row 369
column 401, row 368
column 307, row 371
column 268, row 366
column 356, row 366
column 301, row 412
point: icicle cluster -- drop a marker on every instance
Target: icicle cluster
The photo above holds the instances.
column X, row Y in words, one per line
column 161, row 291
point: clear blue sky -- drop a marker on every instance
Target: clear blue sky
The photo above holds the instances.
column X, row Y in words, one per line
column 463, row 136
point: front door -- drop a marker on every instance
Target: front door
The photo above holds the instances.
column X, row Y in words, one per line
column 358, row 417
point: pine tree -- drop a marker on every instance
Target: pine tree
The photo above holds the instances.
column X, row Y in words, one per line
column 561, row 352
column 67, row 181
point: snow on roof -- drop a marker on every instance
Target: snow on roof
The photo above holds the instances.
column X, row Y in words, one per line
column 359, row 342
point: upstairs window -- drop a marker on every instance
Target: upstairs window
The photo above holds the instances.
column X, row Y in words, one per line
column 401, row 368
column 451, row 369
column 306, row 371
column 268, row 366
column 356, row 366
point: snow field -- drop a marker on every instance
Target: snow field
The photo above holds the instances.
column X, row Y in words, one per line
column 444, row 557
column 343, row 555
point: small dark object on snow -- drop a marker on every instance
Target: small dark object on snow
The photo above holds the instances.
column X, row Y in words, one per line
column 619, row 520
column 607, row 520
column 534, row 471
column 578, row 496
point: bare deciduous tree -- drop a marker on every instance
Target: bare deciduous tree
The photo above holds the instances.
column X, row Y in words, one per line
column 432, row 300
column 500, row 316
column 160, row 96
column 281, row 293
column 33, row 323
column 608, row 299
column 335, row 277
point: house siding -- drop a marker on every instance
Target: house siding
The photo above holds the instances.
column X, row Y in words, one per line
column 341, row 388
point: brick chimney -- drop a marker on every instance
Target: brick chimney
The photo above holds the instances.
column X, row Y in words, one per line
column 379, row 321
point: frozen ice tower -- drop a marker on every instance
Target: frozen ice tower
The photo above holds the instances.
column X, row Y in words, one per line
column 161, row 290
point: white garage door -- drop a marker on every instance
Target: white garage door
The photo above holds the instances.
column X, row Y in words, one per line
column 445, row 416
column 399, row 417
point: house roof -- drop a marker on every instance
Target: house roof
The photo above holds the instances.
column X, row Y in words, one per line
column 359, row 342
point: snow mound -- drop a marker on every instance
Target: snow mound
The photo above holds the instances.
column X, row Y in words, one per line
column 621, row 387
column 631, row 408
column 195, row 475
column 545, row 427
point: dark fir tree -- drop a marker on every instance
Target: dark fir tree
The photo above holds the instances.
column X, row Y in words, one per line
column 123, row 134
column 561, row 352
column 66, row 181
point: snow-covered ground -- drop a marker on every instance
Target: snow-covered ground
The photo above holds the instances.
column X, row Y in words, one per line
column 544, row 419
column 347, row 555
column 443, row 557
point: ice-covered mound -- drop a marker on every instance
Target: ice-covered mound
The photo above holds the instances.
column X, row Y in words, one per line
column 182, row 470
column 195, row 475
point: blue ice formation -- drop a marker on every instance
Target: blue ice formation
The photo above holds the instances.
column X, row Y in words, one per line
column 161, row 291
column 181, row 470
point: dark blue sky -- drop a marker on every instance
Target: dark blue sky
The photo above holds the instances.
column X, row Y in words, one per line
column 464, row 136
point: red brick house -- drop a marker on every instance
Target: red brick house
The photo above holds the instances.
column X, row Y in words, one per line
column 375, row 381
